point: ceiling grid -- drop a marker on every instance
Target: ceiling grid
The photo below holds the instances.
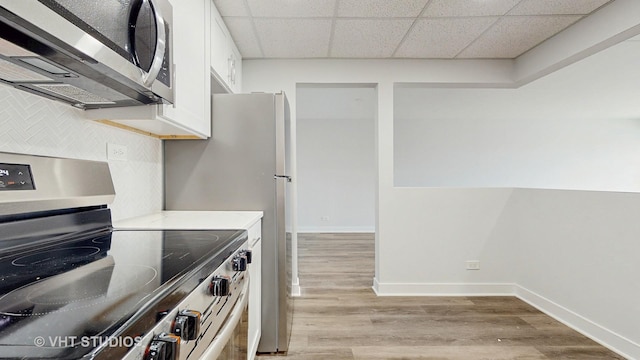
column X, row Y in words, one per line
column 333, row 28
column 413, row 29
column 424, row 8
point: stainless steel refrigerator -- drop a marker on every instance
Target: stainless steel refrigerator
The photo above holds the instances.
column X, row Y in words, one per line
column 244, row 166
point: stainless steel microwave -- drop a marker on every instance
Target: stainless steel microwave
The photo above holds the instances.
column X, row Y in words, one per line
column 90, row 54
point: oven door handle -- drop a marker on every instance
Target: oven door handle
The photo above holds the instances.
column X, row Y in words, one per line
column 224, row 335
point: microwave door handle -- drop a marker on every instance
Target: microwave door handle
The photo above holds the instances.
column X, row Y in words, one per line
column 158, row 58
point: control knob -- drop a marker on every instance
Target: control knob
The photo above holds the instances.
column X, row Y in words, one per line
column 163, row 347
column 247, row 254
column 187, row 325
column 220, row 285
column 239, row 263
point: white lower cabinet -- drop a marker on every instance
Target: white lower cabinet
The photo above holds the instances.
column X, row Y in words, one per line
column 255, row 289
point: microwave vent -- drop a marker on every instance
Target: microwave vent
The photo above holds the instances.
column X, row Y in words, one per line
column 13, row 73
column 74, row 93
column 9, row 49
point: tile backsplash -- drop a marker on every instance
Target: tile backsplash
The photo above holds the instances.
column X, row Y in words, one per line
column 38, row 126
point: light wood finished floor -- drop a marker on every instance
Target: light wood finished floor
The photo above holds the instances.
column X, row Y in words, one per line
column 339, row 317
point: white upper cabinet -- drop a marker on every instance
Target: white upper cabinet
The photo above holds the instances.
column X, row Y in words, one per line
column 190, row 114
column 226, row 61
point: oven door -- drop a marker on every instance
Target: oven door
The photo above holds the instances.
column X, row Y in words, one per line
column 231, row 341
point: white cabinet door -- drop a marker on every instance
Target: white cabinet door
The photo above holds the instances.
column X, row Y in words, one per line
column 255, row 289
column 191, row 107
column 226, row 61
column 219, row 46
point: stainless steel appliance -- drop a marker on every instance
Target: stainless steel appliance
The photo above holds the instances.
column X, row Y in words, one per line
column 73, row 287
column 101, row 54
column 244, row 166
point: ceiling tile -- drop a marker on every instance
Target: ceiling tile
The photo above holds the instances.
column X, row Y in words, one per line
column 289, row 8
column 448, row 8
column 243, row 35
column 442, row 38
column 550, row 7
column 231, row 7
column 360, row 38
column 294, row 38
column 380, row 8
column 513, row 35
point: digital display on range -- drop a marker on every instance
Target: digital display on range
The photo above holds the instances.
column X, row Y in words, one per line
column 16, row 177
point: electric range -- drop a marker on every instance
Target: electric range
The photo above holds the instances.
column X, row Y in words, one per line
column 72, row 287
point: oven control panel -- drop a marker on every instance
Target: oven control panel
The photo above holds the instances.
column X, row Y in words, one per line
column 16, row 177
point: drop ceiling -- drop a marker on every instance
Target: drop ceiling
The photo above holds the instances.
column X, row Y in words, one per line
column 387, row 29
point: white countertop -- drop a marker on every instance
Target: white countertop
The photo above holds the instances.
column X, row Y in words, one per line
column 191, row 220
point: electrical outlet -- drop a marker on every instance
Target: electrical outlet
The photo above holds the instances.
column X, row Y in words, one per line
column 473, row 265
column 116, row 152
column 324, row 218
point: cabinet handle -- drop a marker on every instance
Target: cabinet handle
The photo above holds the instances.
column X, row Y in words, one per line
column 231, row 62
column 255, row 241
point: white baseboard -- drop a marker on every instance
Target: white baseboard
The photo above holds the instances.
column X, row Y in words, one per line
column 442, row 289
column 335, row 229
column 588, row 328
column 295, row 288
column 618, row 343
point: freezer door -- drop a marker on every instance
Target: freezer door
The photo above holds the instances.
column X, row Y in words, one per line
column 232, row 170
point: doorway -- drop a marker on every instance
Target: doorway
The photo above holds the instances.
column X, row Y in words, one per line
column 335, row 151
column 336, row 173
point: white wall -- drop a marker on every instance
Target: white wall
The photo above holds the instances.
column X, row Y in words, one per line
column 577, row 258
column 485, row 144
column 34, row 125
column 570, row 130
column 335, row 159
column 437, row 231
column 572, row 254
column 286, row 75
column 424, row 235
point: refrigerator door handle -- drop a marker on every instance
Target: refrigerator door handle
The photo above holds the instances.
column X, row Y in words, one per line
column 282, row 177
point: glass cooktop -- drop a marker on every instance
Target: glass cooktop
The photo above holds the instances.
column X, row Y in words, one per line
column 59, row 301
